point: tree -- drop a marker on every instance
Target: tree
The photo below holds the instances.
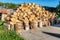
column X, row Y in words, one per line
column 8, row 5
column 58, row 7
column 1, row 4
column 58, row 10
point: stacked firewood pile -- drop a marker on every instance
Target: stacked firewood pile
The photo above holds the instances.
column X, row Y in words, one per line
column 30, row 16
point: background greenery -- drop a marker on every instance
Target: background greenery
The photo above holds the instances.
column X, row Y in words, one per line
column 8, row 5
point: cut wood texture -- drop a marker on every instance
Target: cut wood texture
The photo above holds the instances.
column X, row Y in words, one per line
column 31, row 13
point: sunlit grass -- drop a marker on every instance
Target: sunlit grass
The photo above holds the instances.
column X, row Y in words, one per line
column 8, row 34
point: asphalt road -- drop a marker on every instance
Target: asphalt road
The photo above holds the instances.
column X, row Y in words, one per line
column 45, row 33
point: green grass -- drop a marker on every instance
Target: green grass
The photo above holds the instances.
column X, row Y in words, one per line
column 9, row 35
column 1, row 22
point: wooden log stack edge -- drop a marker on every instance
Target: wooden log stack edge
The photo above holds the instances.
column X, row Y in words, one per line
column 30, row 16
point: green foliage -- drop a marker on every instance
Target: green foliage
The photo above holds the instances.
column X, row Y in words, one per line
column 9, row 35
column 58, row 10
column 1, row 4
column 1, row 22
column 8, row 5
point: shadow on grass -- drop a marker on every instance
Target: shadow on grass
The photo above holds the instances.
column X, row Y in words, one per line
column 53, row 34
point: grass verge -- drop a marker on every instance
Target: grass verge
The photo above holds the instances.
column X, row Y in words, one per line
column 9, row 35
